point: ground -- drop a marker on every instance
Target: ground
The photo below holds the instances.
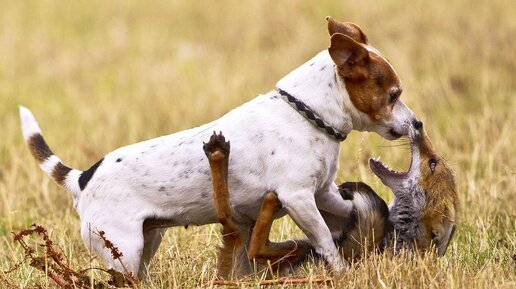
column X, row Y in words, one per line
column 99, row 75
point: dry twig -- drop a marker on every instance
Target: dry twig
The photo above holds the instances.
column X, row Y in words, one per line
column 52, row 265
column 280, row 281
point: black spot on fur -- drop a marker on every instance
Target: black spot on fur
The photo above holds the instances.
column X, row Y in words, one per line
column 60, row 172
column 39, row 148
column 272, row 153
column 203, row 171
column 254, row 172
column 88, row 174
column 161, row 189
column 322, row 68
column 330, row 85
column 312, row 64
column 258, row 138
column 118, row 160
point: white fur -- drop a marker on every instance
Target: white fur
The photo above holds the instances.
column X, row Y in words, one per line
column 273, row 148
column 29, row 124
column 362, row 203
column 48, row 165
column 72, row 185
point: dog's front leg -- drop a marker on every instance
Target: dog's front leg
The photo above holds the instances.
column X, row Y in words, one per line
column 332, row 202
column 300, row 205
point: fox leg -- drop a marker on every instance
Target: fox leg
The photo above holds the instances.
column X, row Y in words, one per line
column 262, row 250
column 233, row 237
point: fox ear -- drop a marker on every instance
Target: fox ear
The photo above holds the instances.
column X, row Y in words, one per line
column 443, row 240
column 349, row 56
column 347, row 28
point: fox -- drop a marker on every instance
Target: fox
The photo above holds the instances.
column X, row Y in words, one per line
column 422, row 216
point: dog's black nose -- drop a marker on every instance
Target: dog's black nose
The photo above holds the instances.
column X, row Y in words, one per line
column 417, row 124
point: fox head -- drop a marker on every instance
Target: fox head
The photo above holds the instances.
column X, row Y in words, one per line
column 424, row 211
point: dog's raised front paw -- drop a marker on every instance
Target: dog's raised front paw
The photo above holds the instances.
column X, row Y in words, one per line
column 217, row 147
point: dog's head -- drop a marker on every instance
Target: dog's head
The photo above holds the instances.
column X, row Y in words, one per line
column 426, row 200
column 370, row 80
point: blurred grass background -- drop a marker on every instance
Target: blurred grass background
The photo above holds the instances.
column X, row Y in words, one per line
column 99, row 75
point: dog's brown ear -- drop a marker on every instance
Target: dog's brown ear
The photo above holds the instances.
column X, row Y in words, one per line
column 347, row 28
column 349, row 56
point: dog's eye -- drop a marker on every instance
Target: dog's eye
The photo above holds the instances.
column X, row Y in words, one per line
column 393, row 96
column 432, row 163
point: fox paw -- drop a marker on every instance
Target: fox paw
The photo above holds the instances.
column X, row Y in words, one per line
column 271, row 201
column 217, row 147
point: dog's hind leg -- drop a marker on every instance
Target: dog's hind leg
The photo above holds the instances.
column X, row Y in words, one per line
column 233, row 237
column 152, row 240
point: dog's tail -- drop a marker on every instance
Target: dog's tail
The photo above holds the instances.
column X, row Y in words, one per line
column 48, row 161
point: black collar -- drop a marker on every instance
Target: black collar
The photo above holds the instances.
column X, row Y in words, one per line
column 311, row 116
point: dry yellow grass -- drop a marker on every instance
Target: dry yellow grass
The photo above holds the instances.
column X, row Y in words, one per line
column 103, row 74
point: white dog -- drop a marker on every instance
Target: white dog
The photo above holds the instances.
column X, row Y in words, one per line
column 286, row 141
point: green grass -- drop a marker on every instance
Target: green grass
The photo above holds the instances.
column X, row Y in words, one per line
column 99, row 75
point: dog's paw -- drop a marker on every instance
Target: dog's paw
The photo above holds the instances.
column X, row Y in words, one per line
column 217, row 147
column 338, row 270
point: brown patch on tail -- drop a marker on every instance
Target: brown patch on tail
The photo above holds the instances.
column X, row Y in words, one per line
column 42, row 152
column 60, row 172
column 39, row 148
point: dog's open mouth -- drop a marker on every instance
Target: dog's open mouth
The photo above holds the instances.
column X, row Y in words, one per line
column 382, row 170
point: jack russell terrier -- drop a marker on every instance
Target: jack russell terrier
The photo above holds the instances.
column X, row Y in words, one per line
column 286, row 141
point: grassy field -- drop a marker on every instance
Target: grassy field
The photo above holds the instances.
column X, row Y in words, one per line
column 103, row 74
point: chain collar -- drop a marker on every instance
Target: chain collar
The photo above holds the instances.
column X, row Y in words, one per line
column 311, row 116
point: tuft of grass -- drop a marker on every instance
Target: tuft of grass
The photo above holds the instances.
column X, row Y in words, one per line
column 99, row 75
